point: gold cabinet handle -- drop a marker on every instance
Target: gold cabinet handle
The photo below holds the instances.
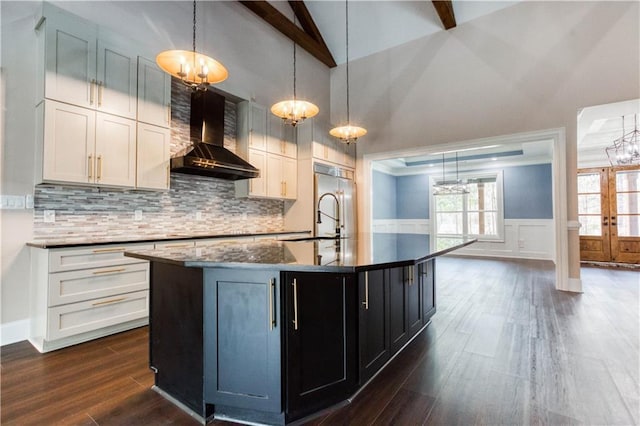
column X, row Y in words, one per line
column 108, row 250
column 107, row 302
column 109, row 271
column 295, row 304
column 176, row 245
column 168, row 112
column 100, row 92
column 366, row 291
column 285, row 188
column 90, row 167
column 272, row 315
column 99, row 168
column 168, row 176
column 92, row 86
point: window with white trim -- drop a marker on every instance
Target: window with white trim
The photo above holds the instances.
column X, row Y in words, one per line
column 478, row 213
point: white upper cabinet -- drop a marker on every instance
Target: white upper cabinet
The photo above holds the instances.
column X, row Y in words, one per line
column 270, row 146
column 280, row 137
column 116, row 79
column 70, row 52
column 85, row 70
column 154, row 94
column 314, row 137
column 69, row 154
column 152, row 171
column 115, row 150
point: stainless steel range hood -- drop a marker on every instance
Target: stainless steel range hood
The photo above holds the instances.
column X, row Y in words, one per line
column 209, row 157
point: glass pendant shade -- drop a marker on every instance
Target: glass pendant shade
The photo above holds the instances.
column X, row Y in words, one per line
column 193, row 68
column 348, row 133
column 294, row 111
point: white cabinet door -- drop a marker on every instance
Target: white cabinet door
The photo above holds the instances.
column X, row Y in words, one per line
column 154, row 94
column 115, row 150
column 275, row 184
column 69, row 140
column 257, row 127
column 153, row 150
column 290, row 178
column 258, row 186
column 116, row 79
column 70, row 60
column 280, row 138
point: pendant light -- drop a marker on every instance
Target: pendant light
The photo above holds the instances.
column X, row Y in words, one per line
column 450, row 187
column 194, row 69
column 347, row 133
column 294, row 111
column 625, row 150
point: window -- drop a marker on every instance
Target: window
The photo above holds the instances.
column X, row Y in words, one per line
column 478, row 213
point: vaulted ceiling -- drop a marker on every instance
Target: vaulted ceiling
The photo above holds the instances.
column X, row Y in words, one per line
column 319, row 25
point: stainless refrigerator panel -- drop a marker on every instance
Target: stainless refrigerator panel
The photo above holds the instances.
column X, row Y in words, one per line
column 344, row 190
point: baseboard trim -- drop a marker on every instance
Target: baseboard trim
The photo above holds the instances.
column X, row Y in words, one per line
column 15, row 331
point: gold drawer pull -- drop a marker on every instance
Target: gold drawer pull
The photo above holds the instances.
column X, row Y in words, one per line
column 106, row 302
column 109, row 271
column 108, row 250
column 175, row 245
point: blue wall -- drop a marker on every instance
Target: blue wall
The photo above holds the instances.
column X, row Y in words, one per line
column 384, row 196
column 528, row 192
column 412, row 197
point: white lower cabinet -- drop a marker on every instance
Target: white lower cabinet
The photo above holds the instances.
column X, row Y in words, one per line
column 79, row 294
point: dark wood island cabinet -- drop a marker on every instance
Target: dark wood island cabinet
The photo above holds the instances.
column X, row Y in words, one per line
column 266, row 333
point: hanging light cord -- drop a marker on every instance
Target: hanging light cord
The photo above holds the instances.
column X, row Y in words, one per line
column 194, row 26
column 347, row 35
column 294, row 67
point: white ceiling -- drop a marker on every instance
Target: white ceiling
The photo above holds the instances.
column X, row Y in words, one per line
column 379, row 25
column 599, row 126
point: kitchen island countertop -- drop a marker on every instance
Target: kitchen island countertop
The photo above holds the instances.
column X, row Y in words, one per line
column 359, row 253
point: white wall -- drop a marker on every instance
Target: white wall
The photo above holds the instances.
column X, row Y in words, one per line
column 259, row 60
column 525, row 68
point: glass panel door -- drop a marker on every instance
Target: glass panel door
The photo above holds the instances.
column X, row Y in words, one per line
column 593, row 215
column 625, row 215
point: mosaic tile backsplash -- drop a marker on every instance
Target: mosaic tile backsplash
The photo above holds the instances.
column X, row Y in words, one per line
column 101, row 213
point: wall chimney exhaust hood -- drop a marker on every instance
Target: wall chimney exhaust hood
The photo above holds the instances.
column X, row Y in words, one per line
column 209, row 157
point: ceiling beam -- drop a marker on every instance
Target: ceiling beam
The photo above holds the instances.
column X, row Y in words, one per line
column 280, row 22
column 445, row 11
column 306, row 21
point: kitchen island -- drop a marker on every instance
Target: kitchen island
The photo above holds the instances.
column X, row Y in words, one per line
column 273, row 331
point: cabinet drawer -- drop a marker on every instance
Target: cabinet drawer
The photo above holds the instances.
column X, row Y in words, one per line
column 175, row 244
column 76, row 318
column 76, row 286
column 94, row 257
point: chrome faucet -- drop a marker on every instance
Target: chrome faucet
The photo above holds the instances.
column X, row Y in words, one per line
column 336, row 219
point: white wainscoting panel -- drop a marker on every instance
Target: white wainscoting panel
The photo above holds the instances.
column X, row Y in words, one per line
column 523, row 238
column 15, row 331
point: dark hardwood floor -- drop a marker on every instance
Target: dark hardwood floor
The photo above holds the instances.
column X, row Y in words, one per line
column 504, row 348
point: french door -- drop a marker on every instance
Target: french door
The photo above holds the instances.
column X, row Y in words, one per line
column 609, row 212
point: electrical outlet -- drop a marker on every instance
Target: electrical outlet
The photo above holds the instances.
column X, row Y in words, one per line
column 198, row 215
column 49, row 216
column 137, row 215
column 29, row 201
column 244, row 216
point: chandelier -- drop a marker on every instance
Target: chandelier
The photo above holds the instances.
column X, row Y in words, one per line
column 347, row 133
column 194, row 69
column 294, row 111
column 450, row 187
column 626, row 149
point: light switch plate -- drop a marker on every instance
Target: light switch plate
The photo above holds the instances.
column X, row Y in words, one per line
column 198, row 215
column 49, row 216
column 137, row 215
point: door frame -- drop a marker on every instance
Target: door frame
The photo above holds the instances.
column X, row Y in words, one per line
column 562, row 227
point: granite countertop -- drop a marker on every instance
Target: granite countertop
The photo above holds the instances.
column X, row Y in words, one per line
column 359, row 253
column 80, row 241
